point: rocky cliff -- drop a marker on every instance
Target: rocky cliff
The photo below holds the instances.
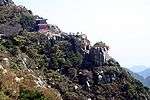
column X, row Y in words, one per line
column 59, row 65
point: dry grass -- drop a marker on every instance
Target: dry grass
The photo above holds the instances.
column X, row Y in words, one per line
column 12, row 88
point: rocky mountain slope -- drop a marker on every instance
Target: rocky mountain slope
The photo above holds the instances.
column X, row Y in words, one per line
column 55, row 65
column 136, row 76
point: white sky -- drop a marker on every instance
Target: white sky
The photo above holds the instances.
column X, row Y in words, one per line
column 122, row 24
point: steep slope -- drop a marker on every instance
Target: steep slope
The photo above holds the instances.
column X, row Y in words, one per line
column 136, row 76
column 22, row 83
column 16, row 80
column 145, row 81
column 58, row 62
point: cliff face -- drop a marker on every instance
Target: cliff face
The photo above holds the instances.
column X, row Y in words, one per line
column 60, row 65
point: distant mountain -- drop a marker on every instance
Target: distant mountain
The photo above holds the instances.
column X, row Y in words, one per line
column 137, row 68
column 145, row 73
column 44, row 63
column 147, row 81
column 135, row 75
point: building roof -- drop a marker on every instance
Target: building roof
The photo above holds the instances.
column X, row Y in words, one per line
column 42, row 24
column 40, row 19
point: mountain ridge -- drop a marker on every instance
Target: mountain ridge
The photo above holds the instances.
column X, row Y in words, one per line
column 138, row 68
column 145, row 73
column 144, row 80
column 65, row 64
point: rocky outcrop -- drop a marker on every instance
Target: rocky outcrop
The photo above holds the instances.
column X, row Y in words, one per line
column 8, row 29
column 98, row 55
column 53, row 68
column 54, row 29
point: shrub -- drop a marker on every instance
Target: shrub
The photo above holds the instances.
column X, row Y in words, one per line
column 31, row 95
column 27, row 22
column 3, row 96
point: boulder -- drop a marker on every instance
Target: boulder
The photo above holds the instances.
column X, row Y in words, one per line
column 8, row 30
column 96, row 57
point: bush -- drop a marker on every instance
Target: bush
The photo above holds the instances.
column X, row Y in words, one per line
column 2, row 48
column 76, row 59
column 71, row 96
column 3, row 96
column 27, row 23
column 31, row 95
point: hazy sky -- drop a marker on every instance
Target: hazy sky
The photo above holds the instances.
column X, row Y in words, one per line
column 123, row 24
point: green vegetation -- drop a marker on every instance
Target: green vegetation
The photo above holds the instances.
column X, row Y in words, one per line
column 27, row 22
column 31, row 95
column 3, row 96
column 60, row 63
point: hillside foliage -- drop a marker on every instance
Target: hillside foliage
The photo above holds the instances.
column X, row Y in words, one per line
column 58, row 64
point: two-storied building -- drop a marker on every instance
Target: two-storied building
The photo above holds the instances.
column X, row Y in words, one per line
column 41, row 25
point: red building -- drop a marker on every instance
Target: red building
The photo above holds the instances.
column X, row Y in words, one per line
column 41, row 25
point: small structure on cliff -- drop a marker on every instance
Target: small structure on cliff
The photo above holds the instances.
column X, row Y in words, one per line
column 41, row 25
column 52, row 31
